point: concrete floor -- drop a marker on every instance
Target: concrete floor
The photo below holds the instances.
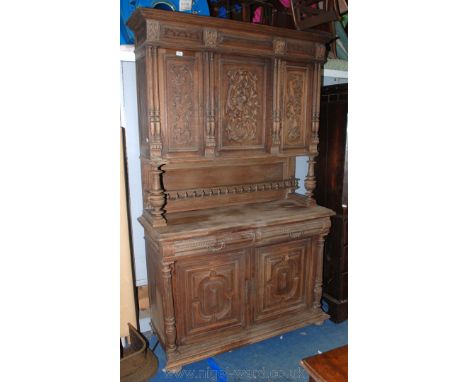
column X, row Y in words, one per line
column 276, row 359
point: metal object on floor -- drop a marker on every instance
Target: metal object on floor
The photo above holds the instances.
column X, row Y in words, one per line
column 137, row 362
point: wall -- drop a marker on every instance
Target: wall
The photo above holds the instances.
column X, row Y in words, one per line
column 130, row 122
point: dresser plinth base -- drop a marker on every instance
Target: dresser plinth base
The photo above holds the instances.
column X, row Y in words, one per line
column 187, row 354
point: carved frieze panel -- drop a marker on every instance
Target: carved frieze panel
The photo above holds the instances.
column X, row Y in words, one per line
column 190, row 34
column 242, row 104
column 213, row 295
column 294, row 126
column 181, row 103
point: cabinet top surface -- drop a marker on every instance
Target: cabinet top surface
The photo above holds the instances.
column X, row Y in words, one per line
column 143, row 14
column 240, row 217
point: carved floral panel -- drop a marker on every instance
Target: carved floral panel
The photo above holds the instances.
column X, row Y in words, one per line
column 294, row 126
column 242, row 104
column 182, row 104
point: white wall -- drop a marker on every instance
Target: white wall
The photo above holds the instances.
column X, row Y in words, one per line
column 130, row 122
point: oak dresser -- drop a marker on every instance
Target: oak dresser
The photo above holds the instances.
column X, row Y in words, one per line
column 234, row 254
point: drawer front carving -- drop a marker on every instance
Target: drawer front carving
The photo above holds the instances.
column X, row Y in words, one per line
column 214, row 244
column 280, row 279
column 211, row 295
column 291, row 231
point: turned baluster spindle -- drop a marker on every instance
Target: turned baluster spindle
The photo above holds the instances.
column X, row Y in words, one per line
column 309, row 182
column 157, row 197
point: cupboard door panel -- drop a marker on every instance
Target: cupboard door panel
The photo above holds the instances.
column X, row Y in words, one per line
column 296, row 103
column 280, row 279
column 181, row 103
column 244, row 108
column 211, row 294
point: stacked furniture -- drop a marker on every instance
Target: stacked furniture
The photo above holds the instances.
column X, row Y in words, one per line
column 234, row 255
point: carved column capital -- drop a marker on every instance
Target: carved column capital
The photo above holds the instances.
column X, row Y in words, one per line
column 152, row 30
column 210, row 37
column 279, row 46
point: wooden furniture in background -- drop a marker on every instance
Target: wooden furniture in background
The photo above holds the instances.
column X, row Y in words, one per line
column 308, row 14
column 234, row 255
column 332, row 192
column 331, row 366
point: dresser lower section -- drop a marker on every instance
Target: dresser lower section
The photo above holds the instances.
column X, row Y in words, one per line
column 214, row 292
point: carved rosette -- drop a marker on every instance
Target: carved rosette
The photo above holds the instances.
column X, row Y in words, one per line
column 242, row 107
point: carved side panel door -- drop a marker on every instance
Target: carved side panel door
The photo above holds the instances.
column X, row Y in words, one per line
column 280, row 281
column 211, row 295
column 296, row 106
column 181, row 100
column 244, row 104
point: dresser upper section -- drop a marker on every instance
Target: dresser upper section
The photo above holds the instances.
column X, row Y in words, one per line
column 211, row 88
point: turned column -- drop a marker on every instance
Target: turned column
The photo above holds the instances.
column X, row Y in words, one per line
column 309, row 182
column 210, row 142
column 319, row 272
column 154, row 118
column 168, row 306
column 157, row 196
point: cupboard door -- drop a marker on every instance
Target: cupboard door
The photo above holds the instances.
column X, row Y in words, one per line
column 243, row 104
column 280, row 279
column 210, row 295
column 181, row 99
column 296, row 121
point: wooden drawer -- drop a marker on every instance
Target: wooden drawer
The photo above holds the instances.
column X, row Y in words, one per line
column 293, row 231
column 221, row 242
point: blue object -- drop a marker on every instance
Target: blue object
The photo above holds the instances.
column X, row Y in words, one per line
column 127, row 7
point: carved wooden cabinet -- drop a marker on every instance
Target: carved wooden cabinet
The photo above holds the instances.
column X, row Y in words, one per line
column 234, row 255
